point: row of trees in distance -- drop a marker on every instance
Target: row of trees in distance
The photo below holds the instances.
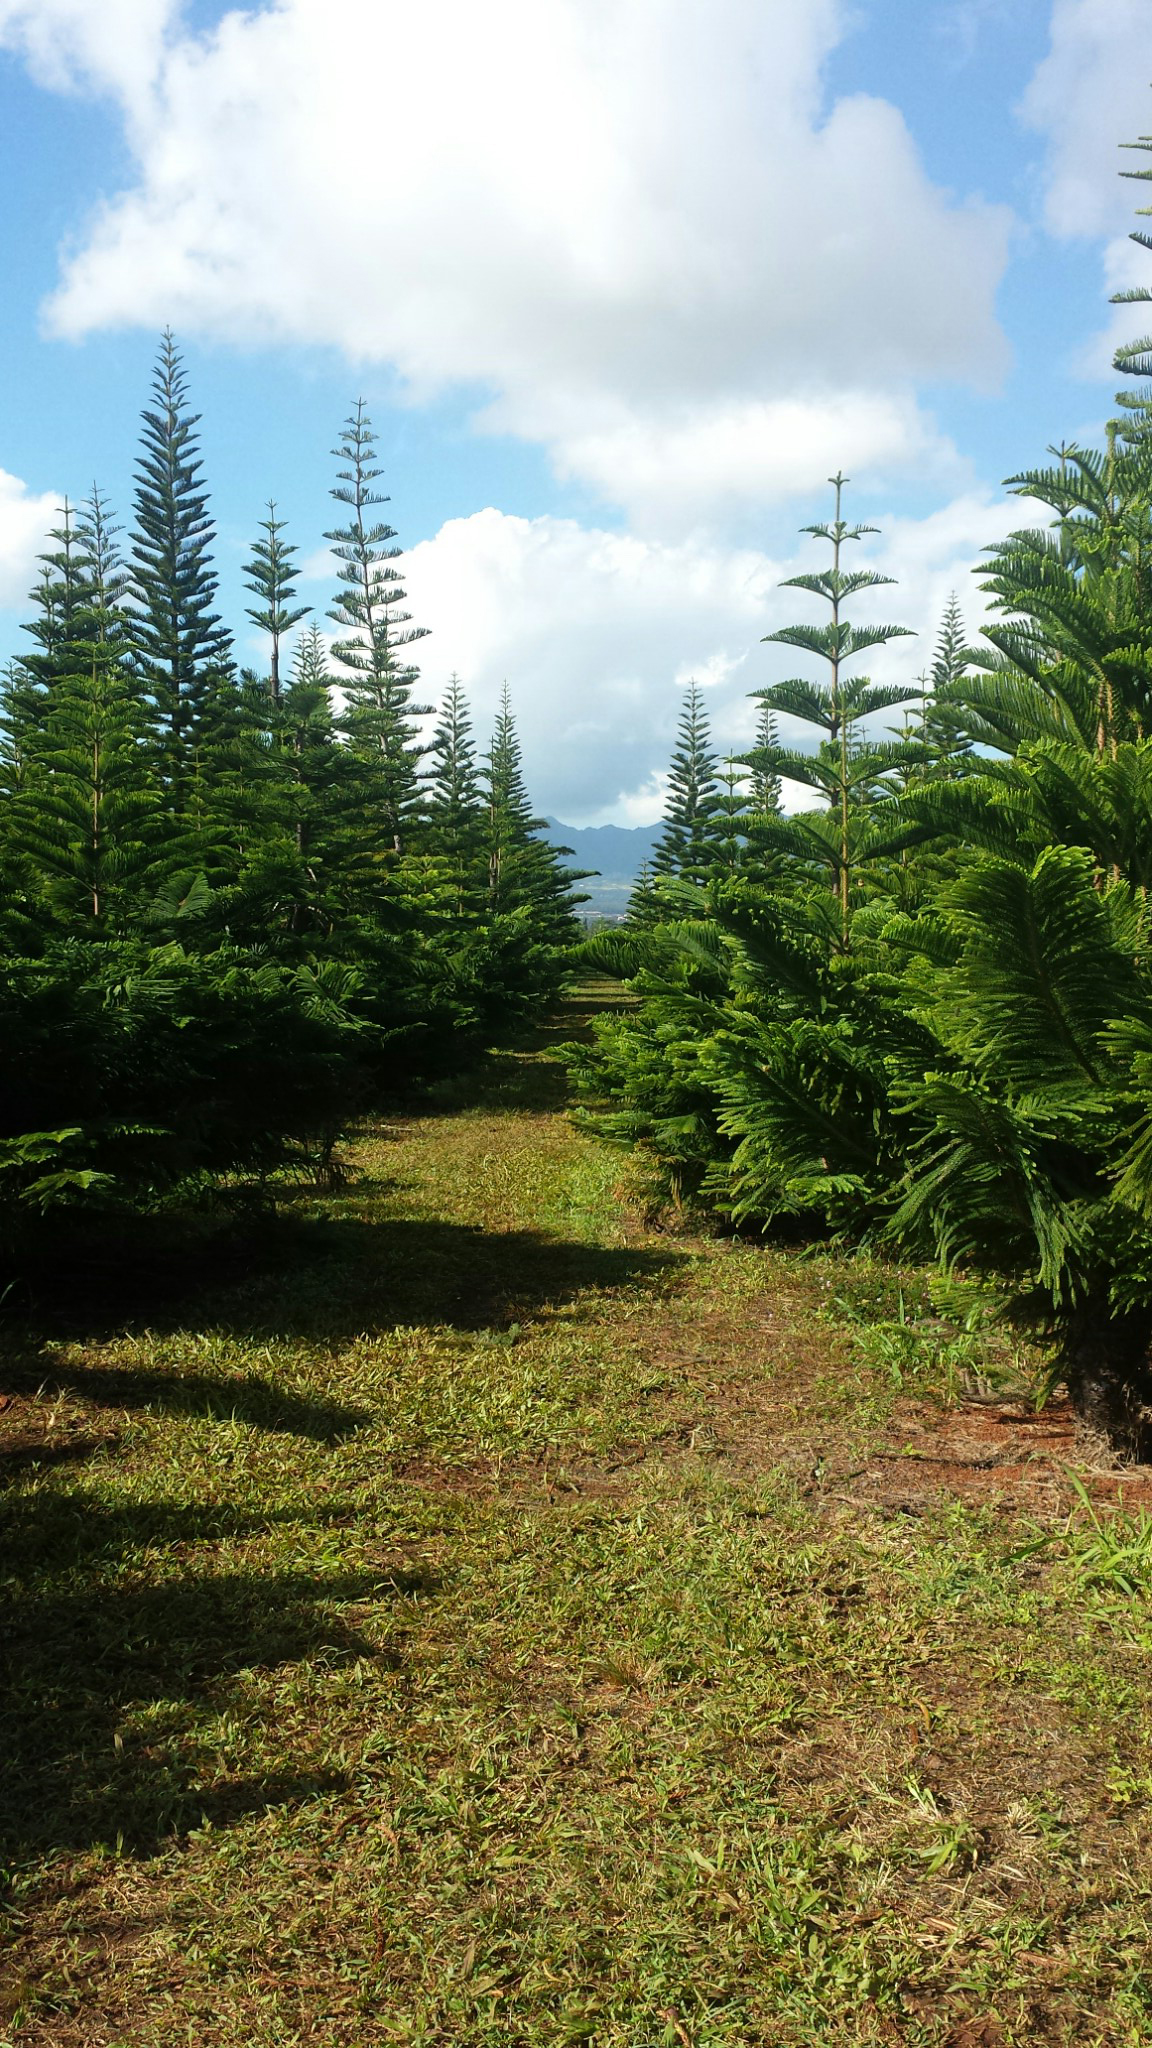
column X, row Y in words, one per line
column 234, row 907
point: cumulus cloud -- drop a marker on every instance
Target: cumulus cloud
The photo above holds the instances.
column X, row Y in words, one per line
column 639, row 230
column 1091, row 93
column 597, row 633
column 672, row 471
column 72, row 46
column 25, row 519
column 639, row 236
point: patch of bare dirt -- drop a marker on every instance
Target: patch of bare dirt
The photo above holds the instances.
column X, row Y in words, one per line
column 1004, row 1454
column 779, row 1411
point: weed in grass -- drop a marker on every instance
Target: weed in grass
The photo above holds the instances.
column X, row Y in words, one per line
column 1109, row 1552
column 921, row 1356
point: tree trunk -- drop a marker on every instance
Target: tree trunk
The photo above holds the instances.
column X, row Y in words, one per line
column 1107, row 1362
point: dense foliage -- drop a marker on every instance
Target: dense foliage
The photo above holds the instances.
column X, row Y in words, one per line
column 921, row 1012
column 234, row 908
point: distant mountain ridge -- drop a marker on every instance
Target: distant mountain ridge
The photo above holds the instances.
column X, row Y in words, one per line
column 616, row 853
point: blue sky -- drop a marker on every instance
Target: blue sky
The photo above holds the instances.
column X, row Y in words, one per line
column 619, row 290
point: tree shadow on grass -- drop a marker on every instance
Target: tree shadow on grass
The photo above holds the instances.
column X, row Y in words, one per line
column 54, row 1530
column 363, row 1278
column 514, row 1080
column 33, row 1453
column 324, row 1281
column 247, row 1398
column 81, row 1662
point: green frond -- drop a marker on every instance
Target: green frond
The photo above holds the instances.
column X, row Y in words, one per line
column 1042, row 976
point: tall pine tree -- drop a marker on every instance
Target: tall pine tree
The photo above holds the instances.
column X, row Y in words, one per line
column 181, row 650
column 1134, row 358
column 848, row 768
column 380, row 719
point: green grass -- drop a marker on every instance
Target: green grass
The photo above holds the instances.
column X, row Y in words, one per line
column 469, row 1615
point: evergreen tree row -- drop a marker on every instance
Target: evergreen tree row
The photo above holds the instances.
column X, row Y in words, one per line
column 274, row 874
column 920, row 1013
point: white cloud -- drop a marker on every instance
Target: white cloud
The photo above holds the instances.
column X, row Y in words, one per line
column 960, row 24
column 596, row 634
column 1090, row 94
column 25, row 519
column 670, row 471
column 636, row 227
column 593, row 632
column 74, row 46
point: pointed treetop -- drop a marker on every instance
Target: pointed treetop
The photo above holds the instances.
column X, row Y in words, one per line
column 310, row 659
column 689, row 841
column 183, row 652
column 379, row 719
column 838, row 530
column 270, row 577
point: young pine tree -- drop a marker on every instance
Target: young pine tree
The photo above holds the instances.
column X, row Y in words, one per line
column 644, row 902
column 308, row 695
column 270, row 576
column 334, row 847
column 846, row 768
column 524, row 870
column 945, row 743
column 60, row 598
column 764, row 779
column 182, row 652
column 108, row 582
column 380, row 719
column 689, row 843
column 455, row 828
column 86, row 811
column 26, row 690
column 732, row 815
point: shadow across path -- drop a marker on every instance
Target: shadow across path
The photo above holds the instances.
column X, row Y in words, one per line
column 248, row 1398
column 368, row 1277
column 78, row 1661
column 325, row 1281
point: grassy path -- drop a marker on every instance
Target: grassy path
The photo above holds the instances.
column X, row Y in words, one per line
column 490, row 1620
